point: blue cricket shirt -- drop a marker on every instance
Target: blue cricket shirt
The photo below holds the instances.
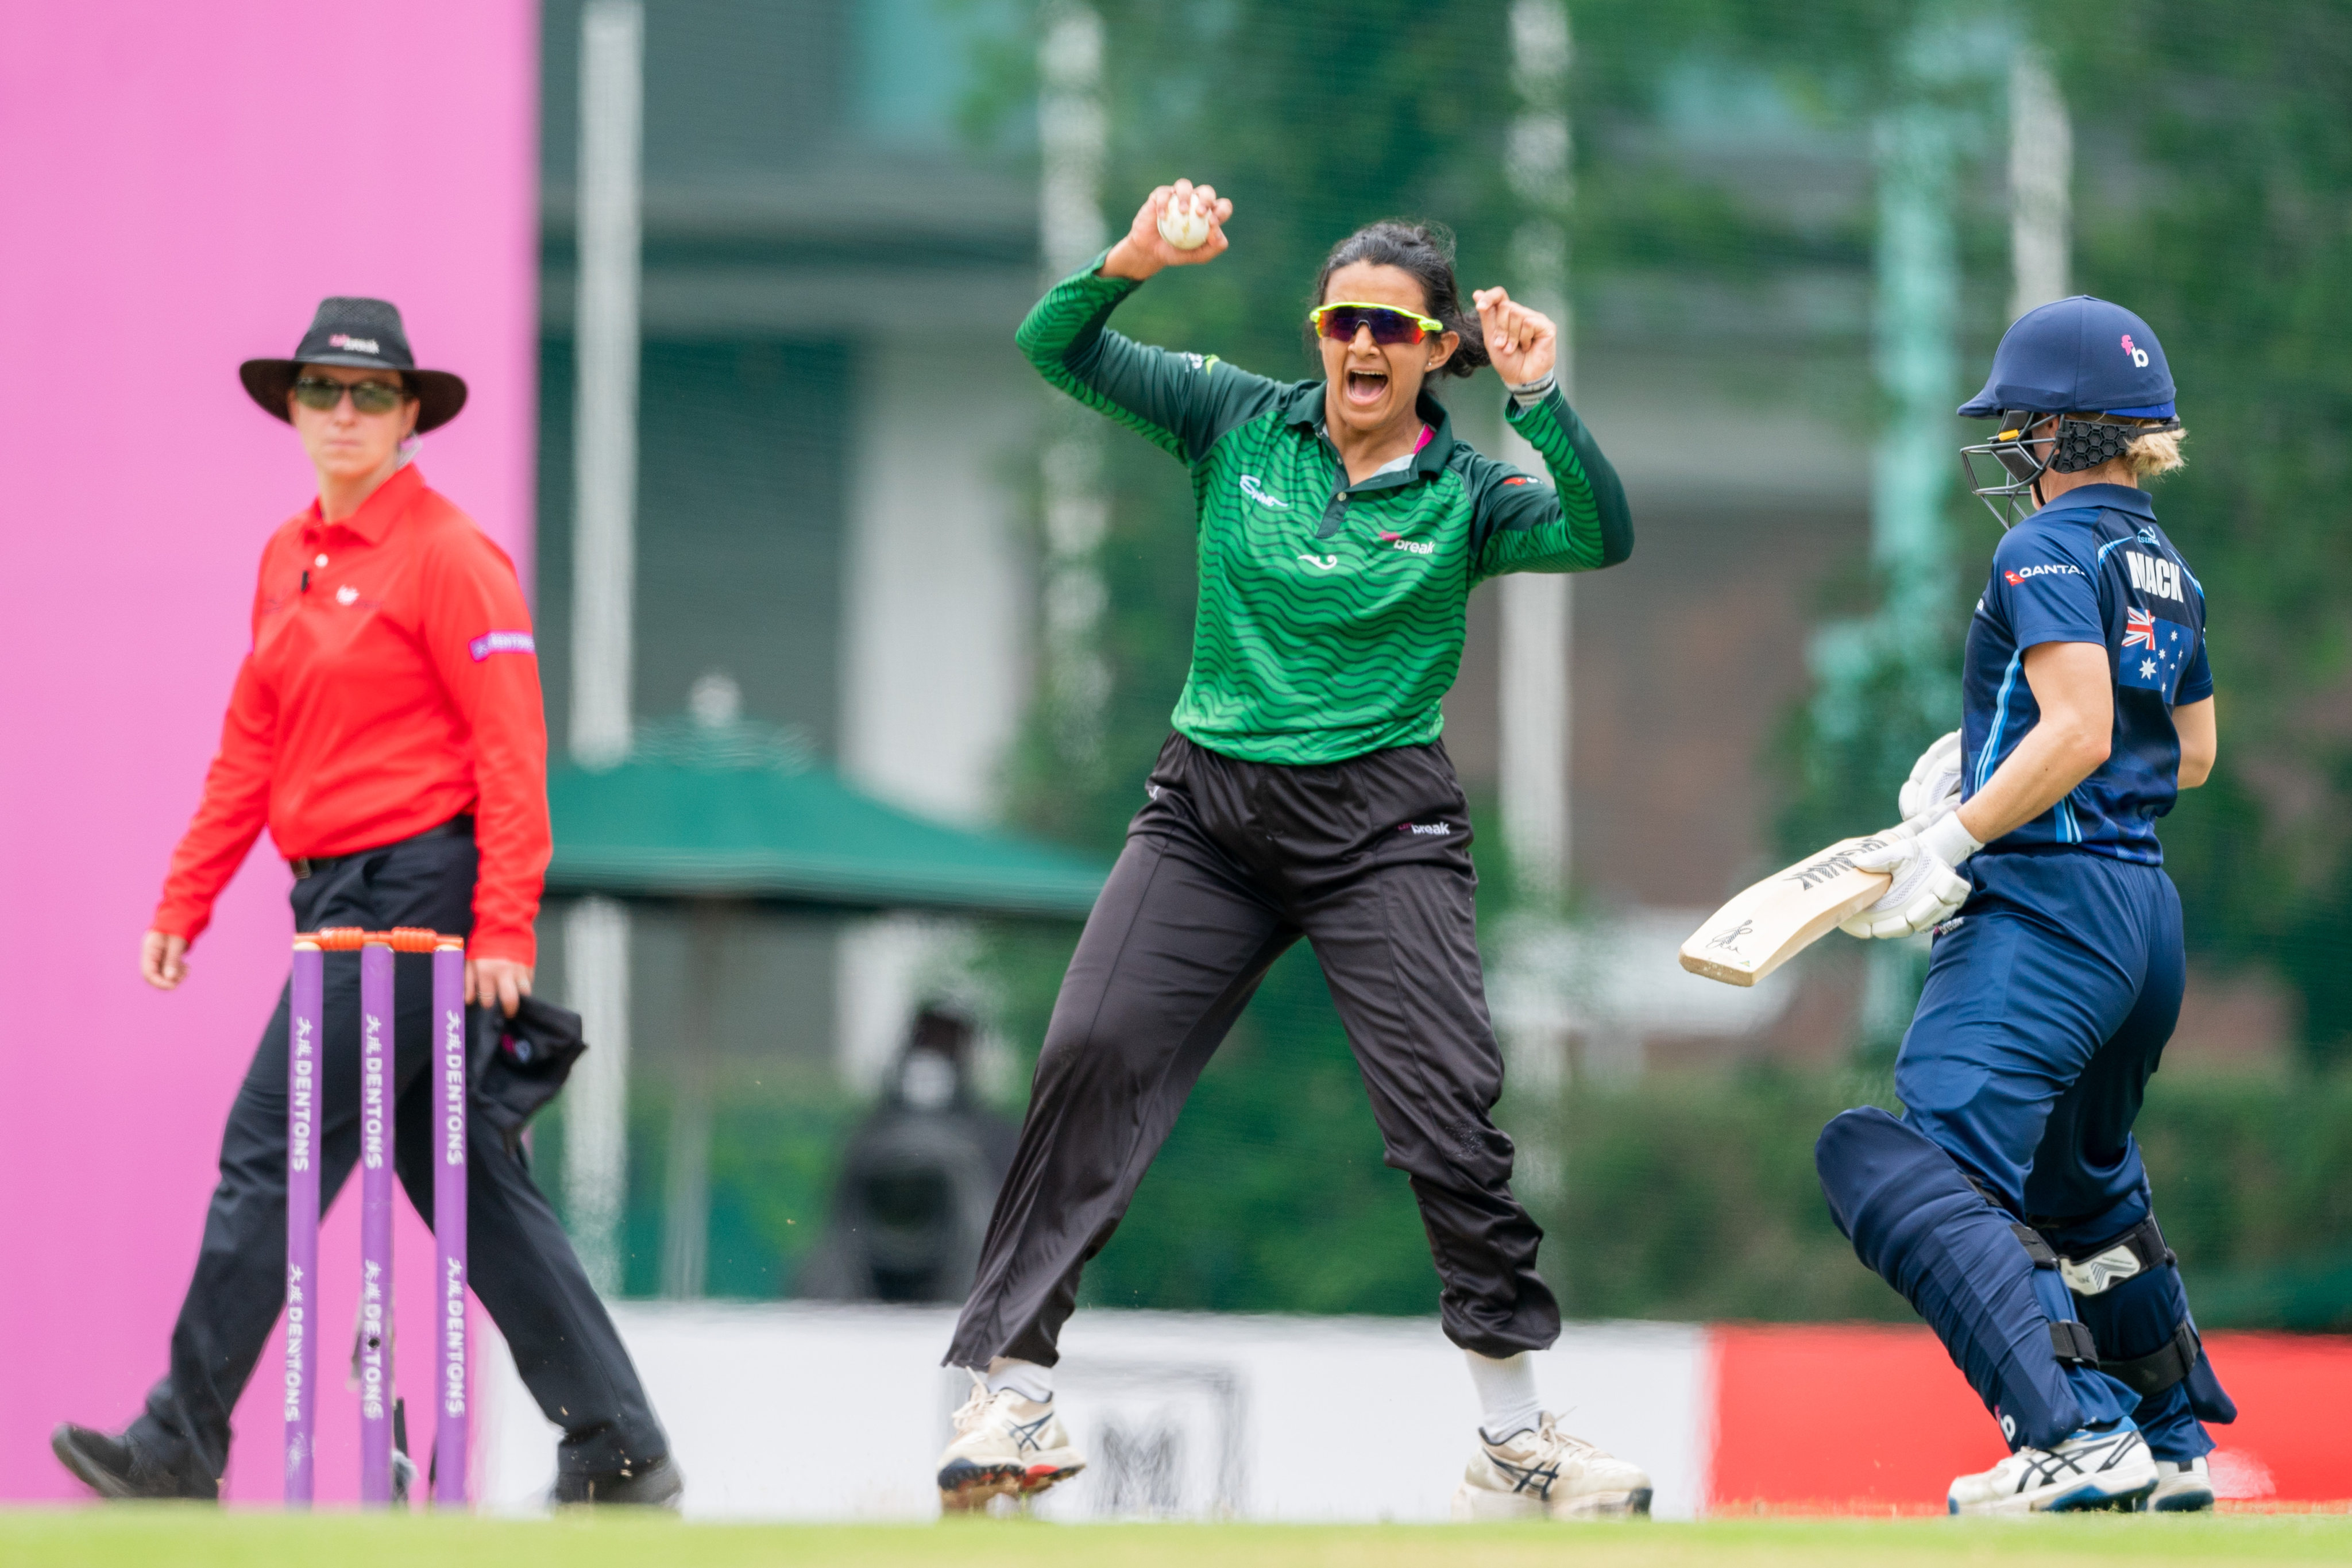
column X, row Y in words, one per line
column 2091, row 567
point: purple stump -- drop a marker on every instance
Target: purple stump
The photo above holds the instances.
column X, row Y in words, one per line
column 375, row 1220
column 302, row 1218
column 449, row 1218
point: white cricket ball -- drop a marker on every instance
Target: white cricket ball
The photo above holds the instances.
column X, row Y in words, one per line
column 1183, row 224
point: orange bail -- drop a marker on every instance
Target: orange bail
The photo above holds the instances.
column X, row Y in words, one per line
column 341, row 938
column 411, row 939
column 449, row 944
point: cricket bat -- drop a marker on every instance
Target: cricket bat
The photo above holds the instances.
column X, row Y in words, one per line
column 1768, row 924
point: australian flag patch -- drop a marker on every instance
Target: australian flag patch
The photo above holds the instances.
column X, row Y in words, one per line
column 2154, row 652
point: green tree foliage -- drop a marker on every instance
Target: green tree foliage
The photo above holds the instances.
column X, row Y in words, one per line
column 776, row 1135
column 2215, row 161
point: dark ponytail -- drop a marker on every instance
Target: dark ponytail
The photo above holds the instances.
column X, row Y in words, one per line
column 1426, row 250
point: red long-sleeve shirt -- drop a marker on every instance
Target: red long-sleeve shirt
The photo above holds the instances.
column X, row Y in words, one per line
column 393, row 685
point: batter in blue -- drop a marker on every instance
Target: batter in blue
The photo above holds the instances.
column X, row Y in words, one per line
column 2009, row 1202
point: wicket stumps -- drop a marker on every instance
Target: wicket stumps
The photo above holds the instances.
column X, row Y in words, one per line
column 372, row 1360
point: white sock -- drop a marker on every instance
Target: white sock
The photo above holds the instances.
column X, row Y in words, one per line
column 1507, row 1394
column 1026, row 1378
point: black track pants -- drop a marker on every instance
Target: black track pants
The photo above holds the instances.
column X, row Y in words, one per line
column 520, row 1261
column 1228, row 864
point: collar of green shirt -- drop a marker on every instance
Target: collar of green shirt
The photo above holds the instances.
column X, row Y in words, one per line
column 1305, row 408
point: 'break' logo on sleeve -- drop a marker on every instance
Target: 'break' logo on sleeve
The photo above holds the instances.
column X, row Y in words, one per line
column 488, row 643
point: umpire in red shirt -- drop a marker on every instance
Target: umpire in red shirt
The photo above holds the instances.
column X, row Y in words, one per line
column 387, row 729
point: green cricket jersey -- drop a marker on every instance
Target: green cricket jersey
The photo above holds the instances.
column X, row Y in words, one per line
column 1332, row 615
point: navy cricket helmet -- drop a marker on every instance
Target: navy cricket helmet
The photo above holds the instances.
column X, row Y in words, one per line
column 2091, row 361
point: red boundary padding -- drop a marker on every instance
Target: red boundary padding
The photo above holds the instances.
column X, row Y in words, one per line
column 1863, row 1417
column 1841, row 1417
column 2292, row 1437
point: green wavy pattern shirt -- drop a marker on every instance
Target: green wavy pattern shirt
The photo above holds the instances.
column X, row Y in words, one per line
column 1332, row 615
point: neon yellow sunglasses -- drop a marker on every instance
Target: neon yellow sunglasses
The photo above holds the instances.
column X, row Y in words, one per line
column 1340, row 319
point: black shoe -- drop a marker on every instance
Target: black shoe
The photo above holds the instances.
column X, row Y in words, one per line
column 657, row 1484
column 118, row 1468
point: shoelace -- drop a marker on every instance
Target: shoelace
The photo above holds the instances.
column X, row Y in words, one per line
column 1552, row 1445
column 969, row 1415
column 1565, row 1444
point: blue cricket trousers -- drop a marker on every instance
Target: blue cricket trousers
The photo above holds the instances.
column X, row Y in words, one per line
column 2046, row 1010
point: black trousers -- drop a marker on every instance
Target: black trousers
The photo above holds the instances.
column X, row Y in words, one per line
column 520, row 1263
column 1226, row 865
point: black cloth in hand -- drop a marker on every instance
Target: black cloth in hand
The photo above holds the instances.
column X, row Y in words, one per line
column 519, row 1063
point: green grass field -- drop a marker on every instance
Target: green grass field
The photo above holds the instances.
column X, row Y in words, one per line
column 194, row 1538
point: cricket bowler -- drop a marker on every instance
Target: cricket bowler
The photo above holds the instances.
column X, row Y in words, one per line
column 1304, row 793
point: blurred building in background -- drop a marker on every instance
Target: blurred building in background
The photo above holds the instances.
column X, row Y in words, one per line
column 829, row 535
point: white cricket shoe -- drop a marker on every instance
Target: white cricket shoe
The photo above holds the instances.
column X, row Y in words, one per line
column 2181, row 1487
column 1004, row 1445
column 2088, row 1471
column 1545, row 1470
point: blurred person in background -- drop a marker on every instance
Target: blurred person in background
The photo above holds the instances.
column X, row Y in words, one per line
column 912, row 1194
column 1342, row 526
column 2009, row 1204
column 386, row 727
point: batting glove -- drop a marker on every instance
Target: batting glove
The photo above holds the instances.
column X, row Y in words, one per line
column 1926, row 891
column 1935, row 781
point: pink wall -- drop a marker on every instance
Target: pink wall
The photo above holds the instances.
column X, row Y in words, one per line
column 181, row 183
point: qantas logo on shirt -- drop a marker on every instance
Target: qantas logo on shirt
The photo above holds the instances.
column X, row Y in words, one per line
column 2053, row 569
column 488, row 643
column 2153, row 574
column 1256, row 492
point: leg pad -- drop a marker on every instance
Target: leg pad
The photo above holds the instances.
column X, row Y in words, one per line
column 1918, row 1223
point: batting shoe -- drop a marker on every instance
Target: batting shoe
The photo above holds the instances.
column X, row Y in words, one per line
column 1546, row 1471
column 2110, row 1469
column 2183, row 1485
column 1004, row 1445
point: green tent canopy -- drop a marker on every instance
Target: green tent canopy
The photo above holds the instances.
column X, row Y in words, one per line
column 744, row 811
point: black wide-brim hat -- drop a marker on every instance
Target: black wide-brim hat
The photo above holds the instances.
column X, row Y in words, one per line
column 365, row 334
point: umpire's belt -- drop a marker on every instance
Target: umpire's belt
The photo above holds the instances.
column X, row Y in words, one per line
column 309, row 865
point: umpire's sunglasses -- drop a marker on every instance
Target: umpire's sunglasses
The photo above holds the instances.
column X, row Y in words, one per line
column 367, row 397
column 1340, row 319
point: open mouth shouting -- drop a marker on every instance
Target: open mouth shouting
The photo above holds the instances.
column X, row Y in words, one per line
column 1368, row 385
